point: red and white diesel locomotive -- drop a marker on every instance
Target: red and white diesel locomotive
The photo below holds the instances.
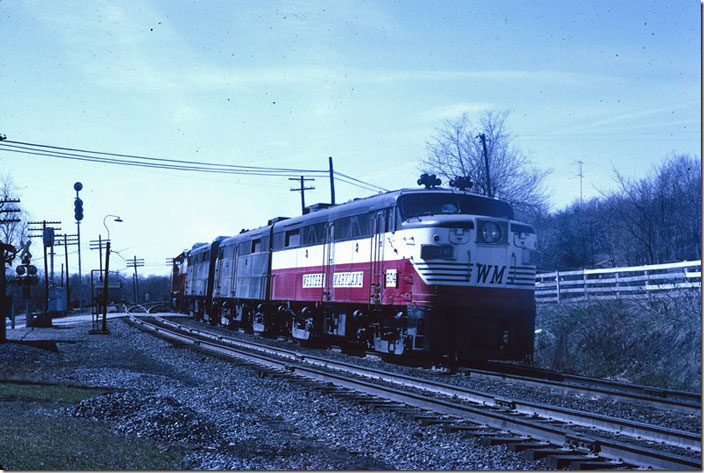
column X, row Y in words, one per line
column 437, row 272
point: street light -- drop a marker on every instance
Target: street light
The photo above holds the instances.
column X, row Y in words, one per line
column 117, row 219
column 104, row 328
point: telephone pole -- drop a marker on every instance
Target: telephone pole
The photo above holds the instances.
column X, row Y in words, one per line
column 47, row 236
column 581, row 175
column 135, row 263
column 303, row 190
column 7, row 254
column 482, row 137
column 332, row 182
column 66, row 240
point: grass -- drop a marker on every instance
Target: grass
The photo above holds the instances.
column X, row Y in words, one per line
column 33, row 437
column 653, row 342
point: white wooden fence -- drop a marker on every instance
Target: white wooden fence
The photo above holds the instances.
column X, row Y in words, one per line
column 617, row 283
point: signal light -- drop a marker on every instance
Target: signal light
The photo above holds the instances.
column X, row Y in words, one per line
column 78, row 209
column 429, row 180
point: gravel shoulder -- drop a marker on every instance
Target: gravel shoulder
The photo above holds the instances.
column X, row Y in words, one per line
column 201, row 412
column 613, row 408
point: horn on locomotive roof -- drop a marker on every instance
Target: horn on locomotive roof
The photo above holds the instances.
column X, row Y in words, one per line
column 429, row 181
column 462, row 183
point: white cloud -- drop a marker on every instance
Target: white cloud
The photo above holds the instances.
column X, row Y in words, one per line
column 454, row 110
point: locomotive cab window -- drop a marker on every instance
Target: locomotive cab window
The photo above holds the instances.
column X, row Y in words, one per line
column 420, row 205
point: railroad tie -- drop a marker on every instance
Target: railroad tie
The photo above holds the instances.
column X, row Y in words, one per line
column 598, row 464
column 539, row 453
column 564, row 461
column 435, row 420
column 529, row 445
column 464, row 427
column 490, row 441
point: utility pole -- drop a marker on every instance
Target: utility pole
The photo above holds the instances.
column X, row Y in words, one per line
column 303, row 190
column 7, row 254
column 135, row 263
column 67, row 240
column 581, row 175
column 105, row 288
column 99, row 244
column 47, row 236
column 332, row 182
column 489, row 193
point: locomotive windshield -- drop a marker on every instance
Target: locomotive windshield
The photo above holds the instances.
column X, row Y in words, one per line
column 418, row 205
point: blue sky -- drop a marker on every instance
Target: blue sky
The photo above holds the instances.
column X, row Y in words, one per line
column 287, row 84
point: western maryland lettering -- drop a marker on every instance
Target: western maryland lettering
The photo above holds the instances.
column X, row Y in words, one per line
column 483, row 271
column 347, row 279
column 313, row 280
column 352, row 279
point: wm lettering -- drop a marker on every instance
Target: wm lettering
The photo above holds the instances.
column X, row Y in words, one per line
column 483, row 271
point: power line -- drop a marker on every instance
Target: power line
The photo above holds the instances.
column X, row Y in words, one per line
column 101, row 157
column 613, row 133
column 367, row 184
column 96, row 159
column 147, row 158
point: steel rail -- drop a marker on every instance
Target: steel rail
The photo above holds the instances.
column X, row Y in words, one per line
column 489, row 415
column 626, row 427
column 680, row 401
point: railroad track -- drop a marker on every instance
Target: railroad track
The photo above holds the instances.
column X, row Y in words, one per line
column 148, row 307
column 680, row 401
column 563, row 436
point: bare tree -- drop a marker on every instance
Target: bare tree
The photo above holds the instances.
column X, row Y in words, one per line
column 658, row 218
column 456, row 150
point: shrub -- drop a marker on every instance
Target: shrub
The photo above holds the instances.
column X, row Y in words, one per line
column 655, row 341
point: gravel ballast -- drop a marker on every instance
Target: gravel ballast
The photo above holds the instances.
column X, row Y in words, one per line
column 228, row 416
column 613, row 408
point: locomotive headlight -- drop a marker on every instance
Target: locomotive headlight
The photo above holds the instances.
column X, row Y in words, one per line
column 491, row 232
